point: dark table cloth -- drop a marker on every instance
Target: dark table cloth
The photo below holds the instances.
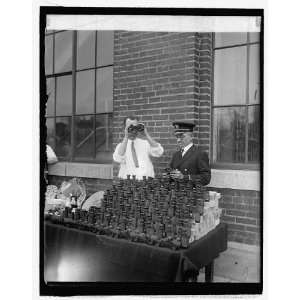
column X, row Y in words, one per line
column 75, row 255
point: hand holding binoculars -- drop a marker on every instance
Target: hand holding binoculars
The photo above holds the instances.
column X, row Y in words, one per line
column 139, row 127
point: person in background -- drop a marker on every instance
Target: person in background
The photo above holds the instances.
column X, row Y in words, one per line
column 134, row 152
column 189, row 160
column 51, row 157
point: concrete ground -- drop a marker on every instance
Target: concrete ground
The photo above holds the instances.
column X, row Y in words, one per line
column 239, row 263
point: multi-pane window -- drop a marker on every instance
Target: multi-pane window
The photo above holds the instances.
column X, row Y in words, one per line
column 236, row 99
column 79, row 75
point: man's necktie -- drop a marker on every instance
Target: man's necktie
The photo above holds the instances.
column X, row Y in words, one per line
column 181, row 150
column 134, row 156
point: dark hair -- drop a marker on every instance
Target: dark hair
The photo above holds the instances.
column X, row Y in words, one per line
column 130, row 118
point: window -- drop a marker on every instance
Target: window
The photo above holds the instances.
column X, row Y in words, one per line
column 79, row 77
column 236, row 100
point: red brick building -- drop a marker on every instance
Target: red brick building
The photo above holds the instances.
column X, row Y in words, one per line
column 95, row 79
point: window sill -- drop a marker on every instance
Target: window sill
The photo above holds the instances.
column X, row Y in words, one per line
column 221, row 178
column 87, row 170
column 232, row 166
column 235, row 179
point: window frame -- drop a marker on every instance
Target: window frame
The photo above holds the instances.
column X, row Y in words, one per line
column 73, row 114
column 232, row 165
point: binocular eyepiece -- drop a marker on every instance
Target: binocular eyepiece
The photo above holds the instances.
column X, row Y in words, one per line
column 139, row 127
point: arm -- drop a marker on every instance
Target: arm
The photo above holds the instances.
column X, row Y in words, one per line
column 52, row 161
column 117, row 157
column 151, row 141
column 122, row 148
column 156, row 149
column 204, row 172
column 51, row 157
column 123, row 145
column 119, row 154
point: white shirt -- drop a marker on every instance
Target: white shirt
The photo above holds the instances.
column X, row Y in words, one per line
column 186, row 148
column 51, row 157
column 143, row 152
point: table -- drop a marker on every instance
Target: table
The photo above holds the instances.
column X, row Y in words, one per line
column 79, row 256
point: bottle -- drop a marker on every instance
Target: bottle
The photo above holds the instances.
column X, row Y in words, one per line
column 73, row 201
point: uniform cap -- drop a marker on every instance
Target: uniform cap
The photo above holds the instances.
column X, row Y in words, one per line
column 183, row 127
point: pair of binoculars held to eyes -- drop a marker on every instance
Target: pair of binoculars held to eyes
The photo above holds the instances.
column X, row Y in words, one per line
column 139, row 128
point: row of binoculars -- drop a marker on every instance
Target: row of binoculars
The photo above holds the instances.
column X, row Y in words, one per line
column 139, row 127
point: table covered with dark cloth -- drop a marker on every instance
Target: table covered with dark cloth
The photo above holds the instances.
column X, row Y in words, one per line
column 75, row 255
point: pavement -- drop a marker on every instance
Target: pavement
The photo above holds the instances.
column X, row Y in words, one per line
column 239, row 263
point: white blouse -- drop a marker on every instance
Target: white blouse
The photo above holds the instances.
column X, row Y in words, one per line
column 51, row 157
column 143, row 151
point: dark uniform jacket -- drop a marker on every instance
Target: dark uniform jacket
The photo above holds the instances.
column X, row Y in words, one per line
column 194, row 162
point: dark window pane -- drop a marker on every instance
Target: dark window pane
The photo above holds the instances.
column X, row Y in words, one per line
column 254, row 76
column 63, row 51
column 229, row 135
column 85, row 49
column 64, row 96
column 104, row 92
column 230, row 76
column 230, row 38
column 50, row 93
column 254, row 36
column 50, row 132
column 253, row 134
column 85, row 92
column 104, row 138
column 49, row 54
column 105, row 47
column 63, row 137
column 84, row 137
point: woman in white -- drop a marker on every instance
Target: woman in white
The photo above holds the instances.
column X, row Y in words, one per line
column 134, row 152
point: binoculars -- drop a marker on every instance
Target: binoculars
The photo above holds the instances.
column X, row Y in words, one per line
column 139, row 127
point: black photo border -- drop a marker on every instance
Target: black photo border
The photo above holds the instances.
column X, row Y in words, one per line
column 128, row 288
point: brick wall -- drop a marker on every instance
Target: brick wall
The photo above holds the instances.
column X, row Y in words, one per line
column 203, row 75
column 155, row 78
column 241, row 211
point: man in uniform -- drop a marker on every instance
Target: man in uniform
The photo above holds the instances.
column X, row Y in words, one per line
column 190, row 160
